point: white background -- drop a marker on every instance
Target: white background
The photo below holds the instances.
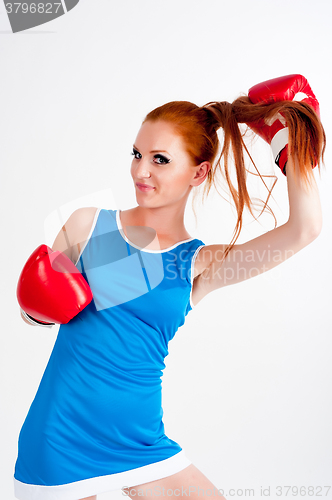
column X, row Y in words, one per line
column 247, row 388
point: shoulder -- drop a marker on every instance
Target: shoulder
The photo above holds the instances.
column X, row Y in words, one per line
column 209, row 254
column 201, row 259
column 74, row 233
column 81, row 221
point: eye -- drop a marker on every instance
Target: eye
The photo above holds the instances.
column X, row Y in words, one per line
column 163, row 159
column 159, row 159
column 137, row 155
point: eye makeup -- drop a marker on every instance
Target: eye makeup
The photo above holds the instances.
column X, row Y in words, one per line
column 163, row 160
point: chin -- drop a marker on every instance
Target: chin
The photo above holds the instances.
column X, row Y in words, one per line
column 142, row 203
column 145, row 203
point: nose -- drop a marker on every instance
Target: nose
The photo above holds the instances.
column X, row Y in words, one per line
column 142, row 169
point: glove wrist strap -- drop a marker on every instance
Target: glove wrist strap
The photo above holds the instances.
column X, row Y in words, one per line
column 279, row 141
column 34, row 321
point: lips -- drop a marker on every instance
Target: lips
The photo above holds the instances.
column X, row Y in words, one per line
column 144, row 187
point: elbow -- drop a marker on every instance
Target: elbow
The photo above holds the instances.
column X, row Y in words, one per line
column 316, row 228
column 306, row 232
column 317, row 232
column 311, row 233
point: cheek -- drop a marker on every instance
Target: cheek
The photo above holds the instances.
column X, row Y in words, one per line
column 181, row 177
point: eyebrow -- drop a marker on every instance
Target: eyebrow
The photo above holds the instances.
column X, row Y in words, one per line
column 154, row 151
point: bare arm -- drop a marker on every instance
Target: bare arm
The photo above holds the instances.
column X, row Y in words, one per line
column 270, row 249
column 305, row 212
column 71, row 238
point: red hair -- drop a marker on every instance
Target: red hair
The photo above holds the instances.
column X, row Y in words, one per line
column 198, row 126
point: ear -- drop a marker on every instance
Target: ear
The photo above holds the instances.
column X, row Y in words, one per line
column 202, row 171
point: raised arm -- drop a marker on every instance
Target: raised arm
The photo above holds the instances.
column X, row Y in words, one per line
column 247, row 260
column 267, row 251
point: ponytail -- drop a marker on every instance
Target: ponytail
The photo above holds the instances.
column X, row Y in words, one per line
column 223, row 115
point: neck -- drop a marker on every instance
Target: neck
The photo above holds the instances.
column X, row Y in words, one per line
column 167, row 221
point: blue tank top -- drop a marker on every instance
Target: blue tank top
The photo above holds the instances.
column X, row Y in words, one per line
column 152, row 286
column 98, row 409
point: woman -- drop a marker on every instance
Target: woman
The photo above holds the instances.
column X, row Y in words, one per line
column 96, row 421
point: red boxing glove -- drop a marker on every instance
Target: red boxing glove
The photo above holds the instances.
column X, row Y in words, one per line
column 275, row 132
column 51, row 288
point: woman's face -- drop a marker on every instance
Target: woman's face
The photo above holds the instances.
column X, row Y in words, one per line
column 161, row 161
